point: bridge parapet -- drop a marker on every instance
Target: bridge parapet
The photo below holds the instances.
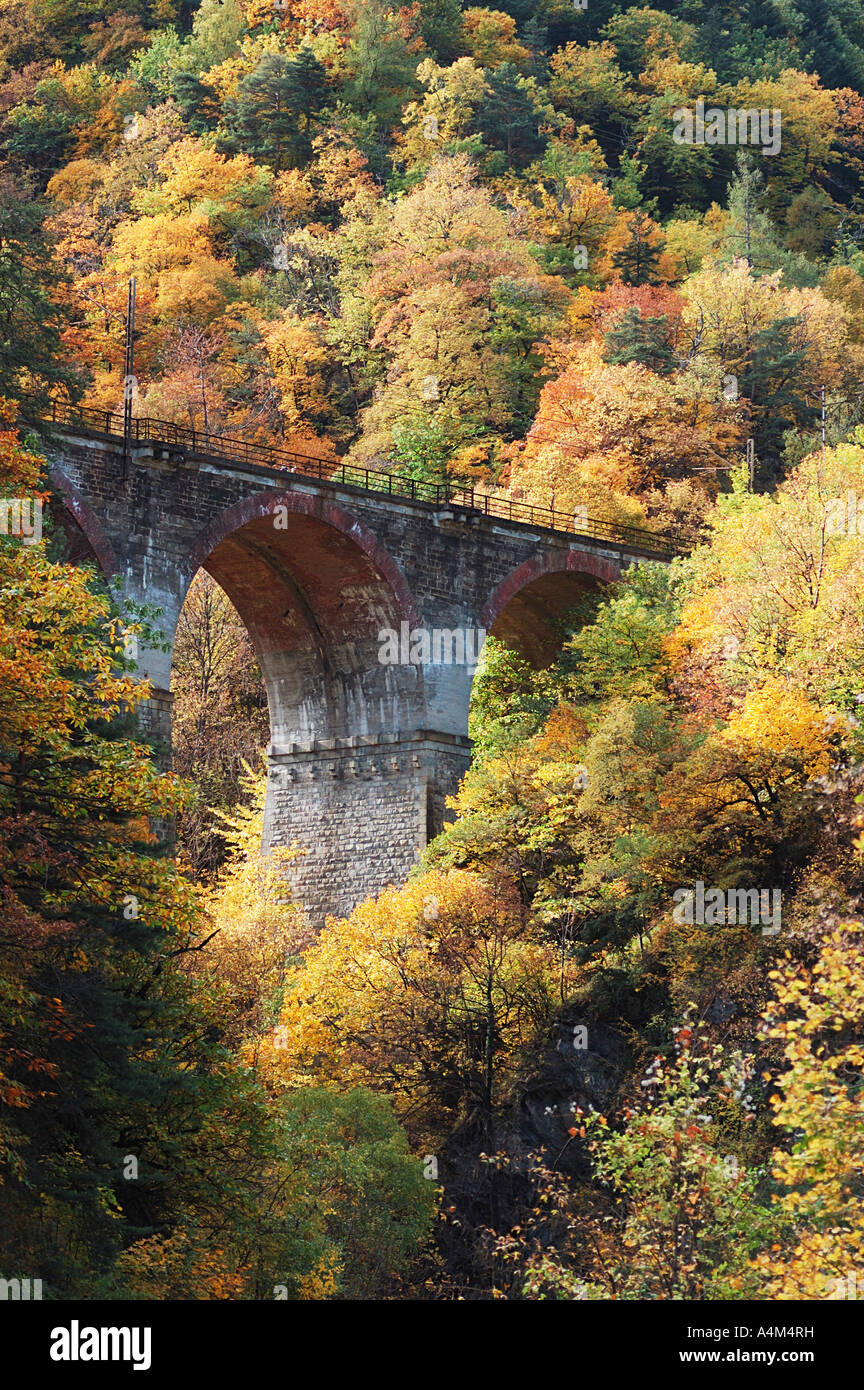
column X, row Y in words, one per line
column 164, row 441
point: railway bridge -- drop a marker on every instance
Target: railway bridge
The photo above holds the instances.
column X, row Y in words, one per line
column 365, row 595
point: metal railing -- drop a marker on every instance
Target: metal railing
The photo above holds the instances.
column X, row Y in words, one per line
column 236, row 450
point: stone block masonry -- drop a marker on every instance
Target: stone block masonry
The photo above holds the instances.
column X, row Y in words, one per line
column 362, row 810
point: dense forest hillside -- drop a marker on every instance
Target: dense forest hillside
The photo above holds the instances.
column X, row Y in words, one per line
column 607, row 1040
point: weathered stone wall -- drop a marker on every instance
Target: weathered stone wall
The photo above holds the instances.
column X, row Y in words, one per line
column 362, row 755
column 362, row 810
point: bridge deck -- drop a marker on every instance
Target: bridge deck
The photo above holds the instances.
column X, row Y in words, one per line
column 232, row 450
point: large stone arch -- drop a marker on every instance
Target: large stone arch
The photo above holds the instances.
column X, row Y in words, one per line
column 352, row 776
column 525, row 608
column 314, row 588
column 267, row 504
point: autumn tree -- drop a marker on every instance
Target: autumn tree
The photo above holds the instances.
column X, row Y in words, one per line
column 455, row 301
column 444, row 112
column 815, row 1018
column 623, row 426
column 272, row 115
column 429, row 992
column 690, row 1213
column 490, row 36
column 96, row 1020
column 31, row 319
column 781, row 345
column 219, row 715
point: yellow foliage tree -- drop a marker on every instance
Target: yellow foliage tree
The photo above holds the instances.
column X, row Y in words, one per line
column 194, row 174
column 428, row 993
column 445, row 110
column 780, row 587
column 491, row 37
column 625, row 426
column 257, row 927
column 298, row 359
column 818, row 1017
column 776, row 742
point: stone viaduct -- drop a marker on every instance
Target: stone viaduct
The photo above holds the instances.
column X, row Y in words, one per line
column 318, row 559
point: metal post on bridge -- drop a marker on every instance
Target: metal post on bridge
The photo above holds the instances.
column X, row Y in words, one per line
column 129, row 377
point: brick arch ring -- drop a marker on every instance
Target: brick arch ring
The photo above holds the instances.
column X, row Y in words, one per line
column 88, row 521
column 266, row 503
column 574, row 562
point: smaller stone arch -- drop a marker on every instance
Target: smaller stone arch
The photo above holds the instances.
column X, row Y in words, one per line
column 85, row 521
column 525, row 608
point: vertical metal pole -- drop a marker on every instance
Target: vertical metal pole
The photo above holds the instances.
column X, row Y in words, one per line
column 128, row 376
column 751, row 463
